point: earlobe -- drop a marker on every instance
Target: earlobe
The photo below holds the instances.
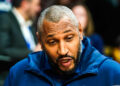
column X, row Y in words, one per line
column 81, row 31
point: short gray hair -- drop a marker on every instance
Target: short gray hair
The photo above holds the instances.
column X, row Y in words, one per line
column 54, row 14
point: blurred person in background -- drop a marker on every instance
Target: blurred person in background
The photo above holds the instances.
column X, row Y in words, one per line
column 83, row 15
column 17, row 35
column 106, row 16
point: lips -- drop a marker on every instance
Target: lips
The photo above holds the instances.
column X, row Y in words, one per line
column 65, row 62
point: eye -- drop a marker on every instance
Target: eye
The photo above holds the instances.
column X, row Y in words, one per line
column 69, row 38
column 51, row 42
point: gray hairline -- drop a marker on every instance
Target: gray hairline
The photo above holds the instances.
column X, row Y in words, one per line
column 60, row 9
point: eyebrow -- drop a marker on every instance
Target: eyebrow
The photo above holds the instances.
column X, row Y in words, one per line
column 51, row 35
column 67, row 31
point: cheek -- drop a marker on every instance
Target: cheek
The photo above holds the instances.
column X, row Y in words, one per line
column 73, row 47
column 33, row 10
column 52, row 52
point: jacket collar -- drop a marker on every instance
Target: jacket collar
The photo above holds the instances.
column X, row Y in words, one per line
column 90, row 61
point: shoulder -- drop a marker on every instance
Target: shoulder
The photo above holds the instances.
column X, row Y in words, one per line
column 110, row 71
column 22, row 62
column 5, row 15
column 16, row 72
column 5, row 20
column 28, row 62
column 109, row 63
column 20, row 66
column 111, row 67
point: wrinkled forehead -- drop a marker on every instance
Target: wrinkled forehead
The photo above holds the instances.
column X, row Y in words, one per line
column 62, row 25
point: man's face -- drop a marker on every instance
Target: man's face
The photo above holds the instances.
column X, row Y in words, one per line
column 33, row 9
column 61, row 41
column 81, row 14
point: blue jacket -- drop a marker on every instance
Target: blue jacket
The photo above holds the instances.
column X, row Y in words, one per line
column 97, row 42
column 94, row 69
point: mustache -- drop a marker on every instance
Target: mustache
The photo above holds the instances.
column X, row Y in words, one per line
column 64, row 56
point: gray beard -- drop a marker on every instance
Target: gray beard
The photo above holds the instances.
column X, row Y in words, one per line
column 56, row 68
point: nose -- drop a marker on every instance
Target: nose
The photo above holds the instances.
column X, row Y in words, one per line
column 62, row 49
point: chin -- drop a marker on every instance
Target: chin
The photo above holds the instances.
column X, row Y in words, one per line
column 68, row 68
column 67, row 71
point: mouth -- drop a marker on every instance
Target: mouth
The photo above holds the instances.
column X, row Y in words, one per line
column 65, row 62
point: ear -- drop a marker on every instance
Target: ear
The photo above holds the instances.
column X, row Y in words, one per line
column 39, row 39
column 81, row 31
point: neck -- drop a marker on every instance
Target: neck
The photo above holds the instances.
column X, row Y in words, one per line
column 23, row 13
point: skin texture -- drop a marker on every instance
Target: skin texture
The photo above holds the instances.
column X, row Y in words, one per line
column 81, row 14
column 34, row 8
column 61, row 41
column 29, row 9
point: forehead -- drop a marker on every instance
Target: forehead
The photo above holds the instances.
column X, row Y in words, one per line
column 61, row 26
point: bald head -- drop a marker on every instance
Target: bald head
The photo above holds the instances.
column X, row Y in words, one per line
column 54, row 14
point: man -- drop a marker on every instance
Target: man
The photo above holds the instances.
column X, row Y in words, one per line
column 67, row 58
column 17, row 35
